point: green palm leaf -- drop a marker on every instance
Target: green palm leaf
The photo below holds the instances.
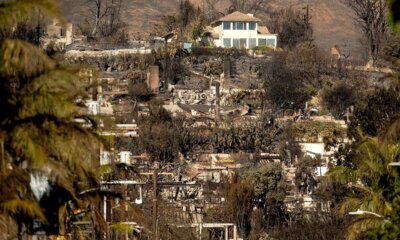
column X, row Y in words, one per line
column 361, row 224
column 26, row 208
column 371, row 181
column 37, row 132
column 22, row 59
column 13, row 12
column 342, row 174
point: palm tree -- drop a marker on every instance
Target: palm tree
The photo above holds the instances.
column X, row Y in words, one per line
column 38, row 137
column 372, row 183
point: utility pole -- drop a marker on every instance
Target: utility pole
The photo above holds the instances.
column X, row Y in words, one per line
column 155, row 204
column 217, row 103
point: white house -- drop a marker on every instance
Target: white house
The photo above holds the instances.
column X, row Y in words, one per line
column 240, row 30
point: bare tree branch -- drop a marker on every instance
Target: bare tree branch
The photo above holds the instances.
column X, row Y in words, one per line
column 105, row 15
column 247, row 6
column 370, row 16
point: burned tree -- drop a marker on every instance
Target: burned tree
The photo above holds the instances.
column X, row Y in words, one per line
column 159, row 135
column 339, row 98
column 111, row 22
column 292, row 26
column 98, row 15
column 247, row 6
column 191, row 20
column 29, row 29
column 370, row 15
column 105, row 16
column 285, row 83
column 210, row 11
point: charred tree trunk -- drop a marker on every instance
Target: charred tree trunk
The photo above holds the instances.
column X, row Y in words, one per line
column 370, row 15
column 97, row 17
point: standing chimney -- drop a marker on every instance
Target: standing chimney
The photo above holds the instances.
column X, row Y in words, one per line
column 154, row 78
column 217, row 106
column 227, row 68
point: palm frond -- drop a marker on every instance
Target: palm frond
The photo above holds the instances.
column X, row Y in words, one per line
column 98, row 219
column 341, row 174
column 22, row 59
column 124, row 227
column 373, row 183
column 24, row 141
column 50, row 94
column 368, row 199
column 13, row 184
column 11, row 13
column 348, row 204
column 22, row 207
column 120, row 226
column 392, row 133
column 361, row 224
column 37, row 132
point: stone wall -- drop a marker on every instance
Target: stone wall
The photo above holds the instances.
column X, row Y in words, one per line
column 111, row 60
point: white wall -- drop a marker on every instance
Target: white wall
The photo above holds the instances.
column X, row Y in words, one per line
column 273, row 37
column 321, row 171
column 105, row 158
column 124, row 157
column 310, row 148
column 238, row 34
column 93, row 107
column 218, row 43
column 313, row 149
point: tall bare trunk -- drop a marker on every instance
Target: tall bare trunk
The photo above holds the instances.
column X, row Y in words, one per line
column 97, row 17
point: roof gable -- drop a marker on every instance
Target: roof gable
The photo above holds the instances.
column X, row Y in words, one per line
column 262, row 30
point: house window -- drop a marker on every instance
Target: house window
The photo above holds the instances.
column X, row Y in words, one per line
column 227, row 42
column 262, row 42
column 239, row 42
column 236, row 43
column 266, row 42
column 227, row 25
column 252, row 26
column 243, row 42
column 271, row 42
column 239, row 26
column 252, row 42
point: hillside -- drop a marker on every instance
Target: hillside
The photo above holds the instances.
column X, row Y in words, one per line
column 332, row 20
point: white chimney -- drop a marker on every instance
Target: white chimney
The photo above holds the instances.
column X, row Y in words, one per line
column 250, row 14
column 124, row 157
